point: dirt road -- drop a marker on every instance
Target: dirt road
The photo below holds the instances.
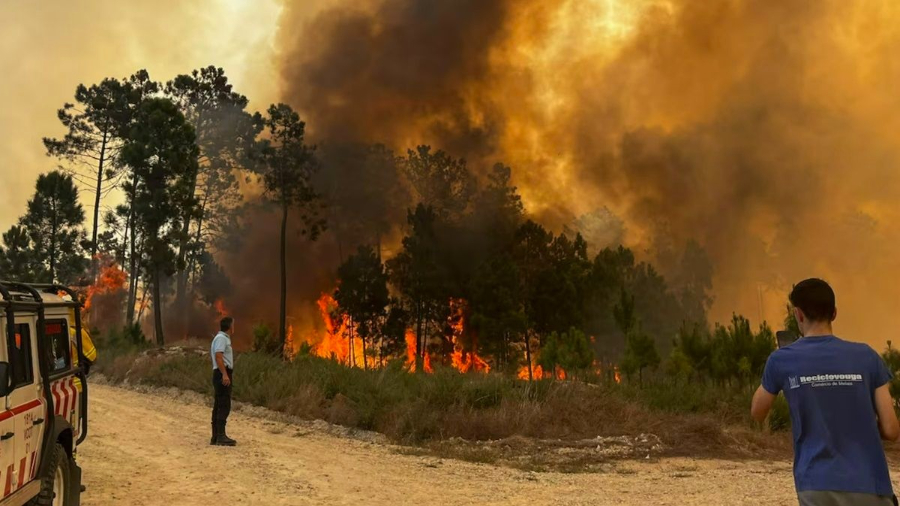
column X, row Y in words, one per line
column 152, row 449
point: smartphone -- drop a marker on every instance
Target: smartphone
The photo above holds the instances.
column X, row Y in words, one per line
column 785, row 337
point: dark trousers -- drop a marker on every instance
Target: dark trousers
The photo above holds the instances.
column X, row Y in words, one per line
column 222, row 400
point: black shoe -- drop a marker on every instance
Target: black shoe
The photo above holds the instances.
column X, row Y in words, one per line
column 224, row 440
column 215, row 434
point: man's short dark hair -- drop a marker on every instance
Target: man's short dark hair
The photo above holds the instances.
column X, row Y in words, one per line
column 225, row 324
column 815, row 298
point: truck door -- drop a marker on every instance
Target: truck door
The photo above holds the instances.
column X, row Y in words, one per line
column 7, row 424
column 25, row 405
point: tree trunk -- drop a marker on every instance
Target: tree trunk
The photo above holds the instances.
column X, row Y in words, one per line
column 132, row 264
column 351, row 356
column 120, row 254
column 420, row 358
column 99, row 190
column 528, row 356
column 365, row 362
column 282, row 318
column 181, row 299
column 53, row 233
column 197, row 236
column 142, row 305
column 157, row 309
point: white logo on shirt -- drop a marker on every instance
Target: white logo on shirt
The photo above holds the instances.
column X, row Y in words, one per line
column 824, row 380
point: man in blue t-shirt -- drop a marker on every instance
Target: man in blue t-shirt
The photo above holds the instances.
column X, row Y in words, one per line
column 840, row 407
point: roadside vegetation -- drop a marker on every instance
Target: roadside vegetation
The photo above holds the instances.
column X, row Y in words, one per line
column 455, row 413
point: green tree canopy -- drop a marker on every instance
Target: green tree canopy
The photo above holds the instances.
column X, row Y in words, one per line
column 363, row 294
column 287, row 164
column 96, row 126
column 225, row 135
column 422, row 280
column 54, row 227
column 640, row 353
column 161, row 151
column 441, row 181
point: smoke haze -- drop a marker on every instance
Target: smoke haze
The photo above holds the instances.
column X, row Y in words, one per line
column 47, row 48
column 767, row 134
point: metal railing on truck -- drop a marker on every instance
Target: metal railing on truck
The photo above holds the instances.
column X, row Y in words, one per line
column 37, row 305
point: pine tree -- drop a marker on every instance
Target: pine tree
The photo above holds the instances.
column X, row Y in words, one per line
column 54, row 225
column 16, row 258
column 96, row 125
column 363, row 294
column 160, row 150
column 225, row 134
column 287, row 164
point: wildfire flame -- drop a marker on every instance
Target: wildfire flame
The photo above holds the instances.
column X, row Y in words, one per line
column 339, row 340
column 462, row 360
column 411, row 353
column 288, row 349
column 219, row 304
column 336, row 341
column 111, row 279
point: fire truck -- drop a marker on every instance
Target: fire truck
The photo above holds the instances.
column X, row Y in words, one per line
column 44, row 391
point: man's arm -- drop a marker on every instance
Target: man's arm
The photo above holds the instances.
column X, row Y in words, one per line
column 762, row 404
column 220, row 362
column 888, row 425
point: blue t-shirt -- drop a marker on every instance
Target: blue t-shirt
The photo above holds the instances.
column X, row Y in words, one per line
column 830, row 387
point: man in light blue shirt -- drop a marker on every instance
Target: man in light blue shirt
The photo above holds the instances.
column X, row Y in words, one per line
column 222, row 357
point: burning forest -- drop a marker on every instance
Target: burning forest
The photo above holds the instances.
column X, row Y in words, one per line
column 534, row 191
column 348, row 251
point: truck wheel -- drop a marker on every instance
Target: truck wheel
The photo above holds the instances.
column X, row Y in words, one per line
column 55, row 485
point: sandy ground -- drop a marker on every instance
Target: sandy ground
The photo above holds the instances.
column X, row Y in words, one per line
column 152, row 448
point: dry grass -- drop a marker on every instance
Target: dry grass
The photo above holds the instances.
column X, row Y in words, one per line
column 487, row 418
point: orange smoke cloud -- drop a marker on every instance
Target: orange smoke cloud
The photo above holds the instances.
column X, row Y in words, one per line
column 764, row 134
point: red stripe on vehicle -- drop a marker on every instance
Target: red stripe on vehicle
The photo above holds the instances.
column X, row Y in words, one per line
column 74, row 394
column 9, row 472
column 66, row 396
column 63, row 397
column 55, row 393
column 9, row 413
column 33, row 466
column 21, row 473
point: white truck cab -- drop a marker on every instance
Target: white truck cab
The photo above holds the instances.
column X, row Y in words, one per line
column 43, row 395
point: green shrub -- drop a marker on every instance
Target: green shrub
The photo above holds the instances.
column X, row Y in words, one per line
column 265, row 341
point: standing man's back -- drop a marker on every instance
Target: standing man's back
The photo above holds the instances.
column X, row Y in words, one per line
column 839, row 403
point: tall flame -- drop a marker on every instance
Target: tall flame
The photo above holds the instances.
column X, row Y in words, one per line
column 111, row 279
column 463, row 360
column 339, row 340
column 411, row 353
column 288, row 350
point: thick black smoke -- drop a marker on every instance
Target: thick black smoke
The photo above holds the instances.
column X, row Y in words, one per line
column 763, row 134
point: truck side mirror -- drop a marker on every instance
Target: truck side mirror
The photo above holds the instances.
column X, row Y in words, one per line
column 4, row 379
